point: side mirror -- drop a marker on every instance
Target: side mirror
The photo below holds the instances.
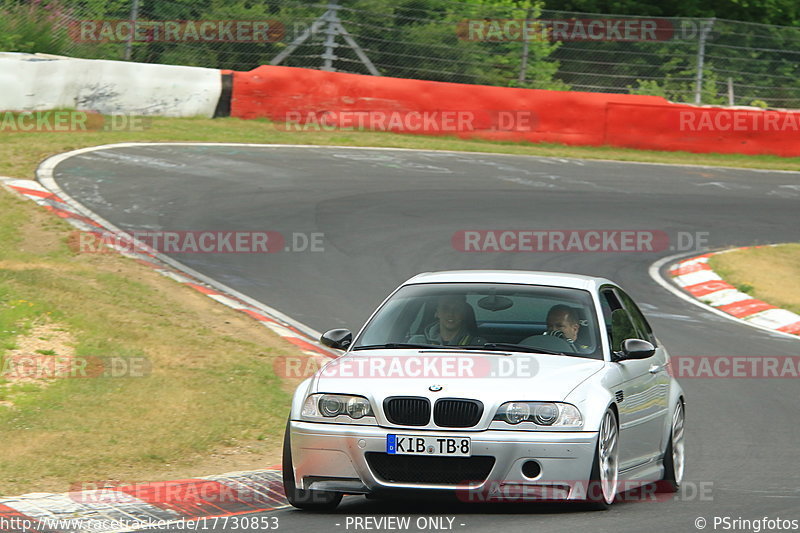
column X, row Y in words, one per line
column 635, row 349
column 339, row 338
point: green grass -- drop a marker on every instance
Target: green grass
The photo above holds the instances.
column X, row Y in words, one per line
column 211, row 385
column 767, row 273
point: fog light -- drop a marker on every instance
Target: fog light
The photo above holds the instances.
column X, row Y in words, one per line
column 531, row 469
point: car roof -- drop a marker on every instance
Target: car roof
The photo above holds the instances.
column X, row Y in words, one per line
column 524, row 277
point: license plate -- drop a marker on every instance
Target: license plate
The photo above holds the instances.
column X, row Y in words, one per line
column 428, row 445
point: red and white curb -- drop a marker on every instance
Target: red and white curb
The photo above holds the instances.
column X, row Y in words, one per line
column 208, row 503
column 696, row 278
column 129, row 508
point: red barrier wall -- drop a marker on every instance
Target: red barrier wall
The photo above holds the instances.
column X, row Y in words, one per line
column 295, row 97
column 703, row 129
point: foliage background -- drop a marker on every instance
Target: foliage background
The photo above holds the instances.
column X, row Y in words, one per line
column 759, row 53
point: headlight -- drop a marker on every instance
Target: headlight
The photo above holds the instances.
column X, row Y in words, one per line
column 358, row 407
column 545, row 414
column 562, row 415
column 516, row 412
column 333, row 405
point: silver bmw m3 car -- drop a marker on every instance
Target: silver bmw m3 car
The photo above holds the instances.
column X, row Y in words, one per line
column 490, row 385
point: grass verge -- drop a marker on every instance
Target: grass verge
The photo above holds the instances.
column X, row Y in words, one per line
column 768, row 273
column 211, row 402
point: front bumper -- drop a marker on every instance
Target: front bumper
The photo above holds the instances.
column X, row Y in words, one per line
column 332, row 457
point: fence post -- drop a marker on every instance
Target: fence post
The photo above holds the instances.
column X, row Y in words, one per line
column 332, row 28
column 523, row 67
column 134, row 16
column 701, row 53
column 730, row 91
column 329, row 56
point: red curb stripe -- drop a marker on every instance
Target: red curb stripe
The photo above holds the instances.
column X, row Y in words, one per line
column 204, row 290
column 33, row 192
column 791, row 328
column 707, row 287
column 196, row 498
column 294, row 329
column 9, row 514
column 308, row 346
column 147, row 263
column 257, row 316
column 688, row 269
column 239, row 513
column 745, row 308
column 69, row 214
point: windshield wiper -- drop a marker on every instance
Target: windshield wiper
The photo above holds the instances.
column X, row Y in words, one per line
column 520, row 348
column 395, row 345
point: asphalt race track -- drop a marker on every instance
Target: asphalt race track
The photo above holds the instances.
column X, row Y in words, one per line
column 389, row 214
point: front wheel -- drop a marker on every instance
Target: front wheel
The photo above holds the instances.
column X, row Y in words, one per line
column 675, row 454
column 310, row 500
column 602, row 488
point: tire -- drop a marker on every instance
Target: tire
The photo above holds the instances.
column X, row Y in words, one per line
column 675, row 453
column 310, row 500
column 604, row 476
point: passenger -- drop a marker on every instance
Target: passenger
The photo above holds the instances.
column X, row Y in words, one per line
column 564, row 322
column 455, row 325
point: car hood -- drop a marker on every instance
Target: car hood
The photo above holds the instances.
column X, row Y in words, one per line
column 488, row 376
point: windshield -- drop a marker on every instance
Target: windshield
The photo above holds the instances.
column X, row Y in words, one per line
column 490, row 316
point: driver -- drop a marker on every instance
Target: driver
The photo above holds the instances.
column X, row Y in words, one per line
column 455, row 325
column 563, row 321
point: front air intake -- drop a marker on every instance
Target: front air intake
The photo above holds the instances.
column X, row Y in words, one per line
column 457, row 413
column 407, row 410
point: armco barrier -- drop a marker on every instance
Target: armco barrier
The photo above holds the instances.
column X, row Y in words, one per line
column 567, row 117
column 37, row 83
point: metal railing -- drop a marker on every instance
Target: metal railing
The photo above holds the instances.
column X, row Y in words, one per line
column 710, row 61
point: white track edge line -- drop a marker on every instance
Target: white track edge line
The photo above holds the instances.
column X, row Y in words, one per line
column 388, row 148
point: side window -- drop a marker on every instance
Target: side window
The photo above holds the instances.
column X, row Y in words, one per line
column 640, row 323
column 618, row 323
